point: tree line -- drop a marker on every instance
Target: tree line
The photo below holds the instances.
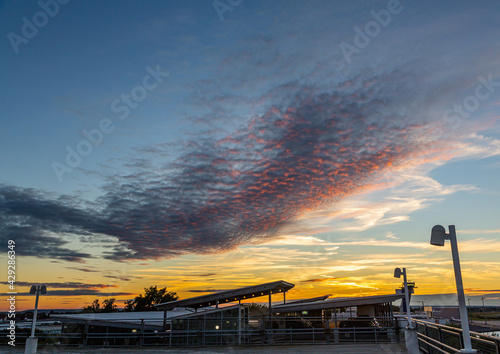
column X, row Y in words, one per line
column 152, row 296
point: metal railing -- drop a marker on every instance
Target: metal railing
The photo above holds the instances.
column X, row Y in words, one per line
column 212, row 332
column 436, row 338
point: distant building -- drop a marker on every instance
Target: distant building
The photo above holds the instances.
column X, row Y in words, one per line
column 446, row 312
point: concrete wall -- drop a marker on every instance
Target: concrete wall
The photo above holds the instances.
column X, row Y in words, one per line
column 366, row 310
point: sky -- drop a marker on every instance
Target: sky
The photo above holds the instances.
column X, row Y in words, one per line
column 210, row 145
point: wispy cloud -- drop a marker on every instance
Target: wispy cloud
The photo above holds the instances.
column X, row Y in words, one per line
column 205, row 290
column 479, row 232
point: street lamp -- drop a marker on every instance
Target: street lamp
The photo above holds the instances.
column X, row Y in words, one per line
column 397, row 274
column 32, row 341
column 423, row 304
column 469, row 310
column 438, row 236
column 484, row 310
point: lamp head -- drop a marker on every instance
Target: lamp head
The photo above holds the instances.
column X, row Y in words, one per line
column 43, row 289
column 33, row 289
column 438, row 235
column 397, row 273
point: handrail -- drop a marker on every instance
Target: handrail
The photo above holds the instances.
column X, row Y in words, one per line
column 223, row 336
column 482, row 342
column 453, row 350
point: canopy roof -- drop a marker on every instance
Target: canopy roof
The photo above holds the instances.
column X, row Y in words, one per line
column 226, row 296
column 338, row 302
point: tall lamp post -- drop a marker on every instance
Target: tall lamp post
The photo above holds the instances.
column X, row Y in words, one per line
column 438, row 236
column 32, row 341
column 397, row 274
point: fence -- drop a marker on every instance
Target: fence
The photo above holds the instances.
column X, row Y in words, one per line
column 435, row 338
column 211, row 332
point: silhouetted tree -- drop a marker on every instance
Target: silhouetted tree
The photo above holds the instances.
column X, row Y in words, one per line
column 108, row 305
column 152, row 296
column 95, row 307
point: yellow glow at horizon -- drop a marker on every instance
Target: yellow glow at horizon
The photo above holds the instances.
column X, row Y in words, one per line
column 355, row 274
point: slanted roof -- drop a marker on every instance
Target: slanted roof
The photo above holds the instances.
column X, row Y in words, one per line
column 152, row 319
column 337, row 302
column 227, row 296
column 312, row 299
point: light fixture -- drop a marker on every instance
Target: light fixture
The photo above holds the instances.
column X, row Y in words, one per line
column 438, row 237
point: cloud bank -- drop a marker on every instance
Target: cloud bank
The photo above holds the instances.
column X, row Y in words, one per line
column 311, row 148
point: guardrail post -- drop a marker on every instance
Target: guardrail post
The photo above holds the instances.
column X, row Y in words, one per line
column 426, row 330
column 187, row 333
column 85, row 333
column 141, row 340
column 171, row 330
column 106, row 341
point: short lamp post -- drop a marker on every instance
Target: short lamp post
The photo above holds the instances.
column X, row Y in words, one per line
column 484, row 310
column 438, row 236
column 397, row 274
column 32, row 341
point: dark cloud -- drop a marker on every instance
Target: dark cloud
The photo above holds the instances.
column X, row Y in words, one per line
column 319, row 280
column 75, row 292
column 87, row 270
column 308, row 150
column 121, row 277
column 65, row 285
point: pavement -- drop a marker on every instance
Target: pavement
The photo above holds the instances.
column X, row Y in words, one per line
column 309, row 349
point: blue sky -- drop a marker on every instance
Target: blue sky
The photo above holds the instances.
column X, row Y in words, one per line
column 337, row 133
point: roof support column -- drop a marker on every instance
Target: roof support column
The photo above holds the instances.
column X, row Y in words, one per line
column 284, row 297
column 216, row 304
column 270, row 309
column 239, row 322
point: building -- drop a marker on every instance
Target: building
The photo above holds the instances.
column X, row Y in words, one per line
column 222, row 319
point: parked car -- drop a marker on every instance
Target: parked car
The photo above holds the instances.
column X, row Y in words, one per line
column 361, row 327
column 359, row 322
